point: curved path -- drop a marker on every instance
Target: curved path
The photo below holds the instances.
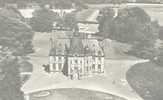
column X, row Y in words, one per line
column 113, row 81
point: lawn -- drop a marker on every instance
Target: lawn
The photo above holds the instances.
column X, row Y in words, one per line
column 74, row 94
column 147, row 80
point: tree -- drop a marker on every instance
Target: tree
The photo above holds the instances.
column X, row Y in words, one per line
column 15, row 43
column 133, row 26
column 10, row 84
column 55, row 3
column 43, row 20
column 105, row 21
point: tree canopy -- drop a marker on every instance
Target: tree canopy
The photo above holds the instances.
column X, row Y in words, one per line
column 55, row 3
column 10, row 84
column 133, row 26
column 15, row 34
column 15, row 43
column 43, row 20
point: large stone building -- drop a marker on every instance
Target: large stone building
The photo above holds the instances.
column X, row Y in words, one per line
column 78, row 54
column 76, row 57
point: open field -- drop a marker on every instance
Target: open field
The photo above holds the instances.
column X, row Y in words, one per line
column 75, row 94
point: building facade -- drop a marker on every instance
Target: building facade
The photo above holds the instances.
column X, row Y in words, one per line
column 77, row 58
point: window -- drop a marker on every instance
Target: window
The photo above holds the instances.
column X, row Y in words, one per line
column 54, row 58
column 60, row 66
column 87, row 68
column 59, row 58
column 99, row 68
column 60, row 44
column 93, row 67
column 87, row 62
column 71, row 70
column 54, row 66
column 99, row 53
column 80, row 70
column 76, row 61
column 59, row 51
column 99, row 58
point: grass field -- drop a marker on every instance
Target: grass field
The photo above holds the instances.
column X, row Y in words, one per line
column 146, row 79
column 76, row 94
column 155, row 11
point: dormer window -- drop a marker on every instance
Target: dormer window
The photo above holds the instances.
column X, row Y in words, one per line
column 60, row 44
column 60, row 58
column 76, row 61
column 93, row 67
column 54, row 66
column 75, row 55
column 99, row 68
column 99, row 53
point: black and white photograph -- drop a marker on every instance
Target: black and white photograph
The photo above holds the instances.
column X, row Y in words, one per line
column 81, row 49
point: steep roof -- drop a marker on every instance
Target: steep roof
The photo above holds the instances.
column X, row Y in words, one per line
column 76, row 46
column 87, row 15
column 87, row 21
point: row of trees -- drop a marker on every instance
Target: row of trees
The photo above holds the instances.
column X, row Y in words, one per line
column 68, row 3
column 133, row 26
column 15, row 43
column 62, row 3
column 52, row 3
column 104, row 1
